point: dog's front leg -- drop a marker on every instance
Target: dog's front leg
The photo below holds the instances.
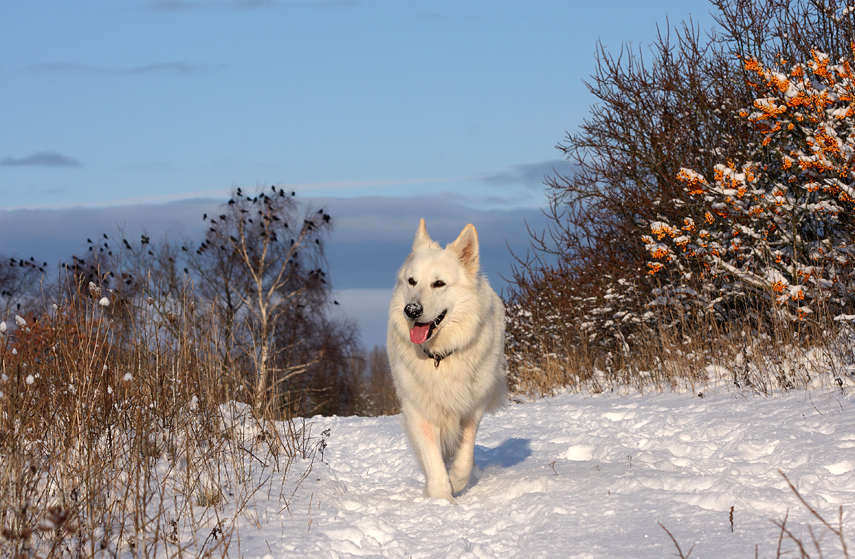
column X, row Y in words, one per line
column 424, row 437
column 464, row 457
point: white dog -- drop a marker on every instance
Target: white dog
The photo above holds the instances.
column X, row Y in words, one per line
column 445, row 343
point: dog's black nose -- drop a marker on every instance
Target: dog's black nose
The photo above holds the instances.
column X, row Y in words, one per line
column 413, row 310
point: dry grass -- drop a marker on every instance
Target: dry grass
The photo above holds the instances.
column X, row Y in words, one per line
column 692, row 355
column 127, row 437
column 787, row 537
column 803, row 549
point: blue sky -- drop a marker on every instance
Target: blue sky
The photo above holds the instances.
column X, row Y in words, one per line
column 141, row 114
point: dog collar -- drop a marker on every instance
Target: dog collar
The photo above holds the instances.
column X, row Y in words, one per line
column 437, row 357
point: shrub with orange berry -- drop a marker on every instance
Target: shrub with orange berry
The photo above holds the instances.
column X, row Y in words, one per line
column 781, row 225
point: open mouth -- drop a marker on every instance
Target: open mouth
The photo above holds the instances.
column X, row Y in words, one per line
column 422, row 331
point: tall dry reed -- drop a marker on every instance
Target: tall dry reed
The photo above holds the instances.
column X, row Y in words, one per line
column 125, row 433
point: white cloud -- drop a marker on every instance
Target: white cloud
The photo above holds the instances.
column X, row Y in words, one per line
column 40, row 159
column 528, row 174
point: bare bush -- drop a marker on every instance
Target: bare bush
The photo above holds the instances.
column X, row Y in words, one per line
column 587, row 289
column 19, row 282
column 125, row 437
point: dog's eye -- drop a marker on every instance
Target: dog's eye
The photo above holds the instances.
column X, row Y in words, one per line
column 411, row 281
column 438, row 283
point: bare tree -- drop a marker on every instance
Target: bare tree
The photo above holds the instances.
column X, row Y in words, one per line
column 657, row 111
column 260, row 263
column 329, row 344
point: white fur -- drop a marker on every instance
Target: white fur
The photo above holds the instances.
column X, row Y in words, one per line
column 443, row 404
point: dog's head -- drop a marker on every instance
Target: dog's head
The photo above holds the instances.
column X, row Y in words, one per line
column 436, row 280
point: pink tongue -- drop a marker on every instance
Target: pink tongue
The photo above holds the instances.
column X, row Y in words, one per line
column 419, row 333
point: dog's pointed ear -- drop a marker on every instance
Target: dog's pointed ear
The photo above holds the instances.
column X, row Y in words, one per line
column 422, row 237
column 466, row 246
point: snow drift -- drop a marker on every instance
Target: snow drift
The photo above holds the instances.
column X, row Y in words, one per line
column 580, row 475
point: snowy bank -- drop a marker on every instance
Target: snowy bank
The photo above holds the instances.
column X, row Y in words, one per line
column 579, row 476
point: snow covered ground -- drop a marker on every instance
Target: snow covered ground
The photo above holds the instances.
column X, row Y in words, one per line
column 578, row 475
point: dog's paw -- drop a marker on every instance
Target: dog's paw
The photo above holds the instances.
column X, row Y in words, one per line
column 459, row 483
column 439, row 491
column 448, row 499
column 459, row 476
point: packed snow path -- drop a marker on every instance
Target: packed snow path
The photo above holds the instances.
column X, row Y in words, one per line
column 582, row 476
